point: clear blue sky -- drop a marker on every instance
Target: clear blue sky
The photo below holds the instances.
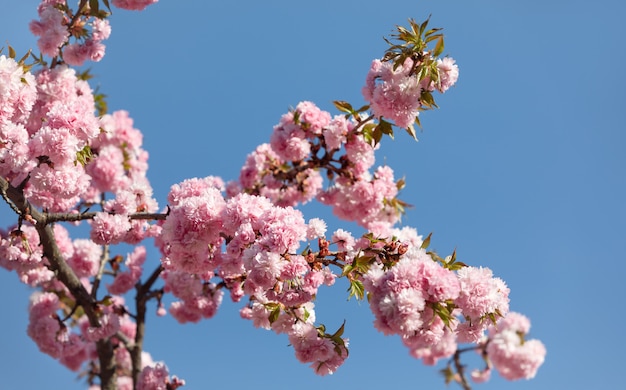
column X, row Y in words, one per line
column 521, row 169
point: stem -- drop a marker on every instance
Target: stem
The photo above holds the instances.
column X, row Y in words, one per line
column 71, row 217
column 460, row 369
column 141, row 299
column 103, row 261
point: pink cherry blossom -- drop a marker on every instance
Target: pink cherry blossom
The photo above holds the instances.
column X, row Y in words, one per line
column 17, row 91
column 393, row 94
column 85, row 260
column 109, row 228
column 481, row 294
column 513, row 356
column 448, row 73
column 51, row 29
column 133, row 5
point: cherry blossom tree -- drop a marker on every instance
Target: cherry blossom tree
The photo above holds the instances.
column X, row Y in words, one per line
column 66, row 161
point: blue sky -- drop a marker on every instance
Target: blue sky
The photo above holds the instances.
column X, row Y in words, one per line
column 519, row 169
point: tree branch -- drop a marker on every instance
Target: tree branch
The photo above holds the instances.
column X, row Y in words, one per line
column 71, row 217
column 141, row 299
column 65, row 275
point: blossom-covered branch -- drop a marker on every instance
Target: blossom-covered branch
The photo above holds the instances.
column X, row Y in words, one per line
column 64, row 160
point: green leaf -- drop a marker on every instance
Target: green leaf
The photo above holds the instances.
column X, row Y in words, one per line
column 23, row 59
column 400, row 184
column 11, row 52
column 339, row 331
column 438, row 47
column 426, row 242
column 83, row 156
column 432, row 31
column 368, row 131
column 343, row 106
column 417, row 122
column 423, row 26
column 377, row 135
column 274, row 314
column 411, row 130
column 94, row 7
column 356, row 289
column 306, row 314
column 433, row 38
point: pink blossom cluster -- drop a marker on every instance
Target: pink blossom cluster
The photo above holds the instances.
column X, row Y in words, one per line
column 423, row 301
column 396, row 94
column 125, row 280
column 75, row 346
column 251, row 245
column 404, row 299
column 261, row 175
column 307, row 140
column 119, row 165
column 291, row 137
column 43, row 125
column 511, row 354
column 366, row 201
column 88, row 46
column 481, row 295
column 18, row 93
column 20, row 252
column 51, row 28
column 55, row 27
column 51, row 335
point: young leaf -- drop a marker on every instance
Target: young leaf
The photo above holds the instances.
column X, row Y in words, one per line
column 94, row 7
column 411, row 130
column 438, row 47
column 357, row 290
column 343, row 106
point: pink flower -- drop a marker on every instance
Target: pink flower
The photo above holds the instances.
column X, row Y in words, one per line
column 108, row 228
column 153, row 377
column 86, row 258
column 481, row 294
column 109, row 325
column 398, row 296
column 75, row 54
column 479, row 376
column 100, row 29
column 17, row 91
column 133, row 5
column 316, row 228
column 51, row 29
column 289, row 142
column 513, row 356
column 107, row 170
column 335, row 134
column 124, row 281
column 393, row 94
column 57, row 189
column 448, row 73
column 311, row 118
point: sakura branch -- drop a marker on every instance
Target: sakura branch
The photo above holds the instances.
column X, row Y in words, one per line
column 65, row 161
